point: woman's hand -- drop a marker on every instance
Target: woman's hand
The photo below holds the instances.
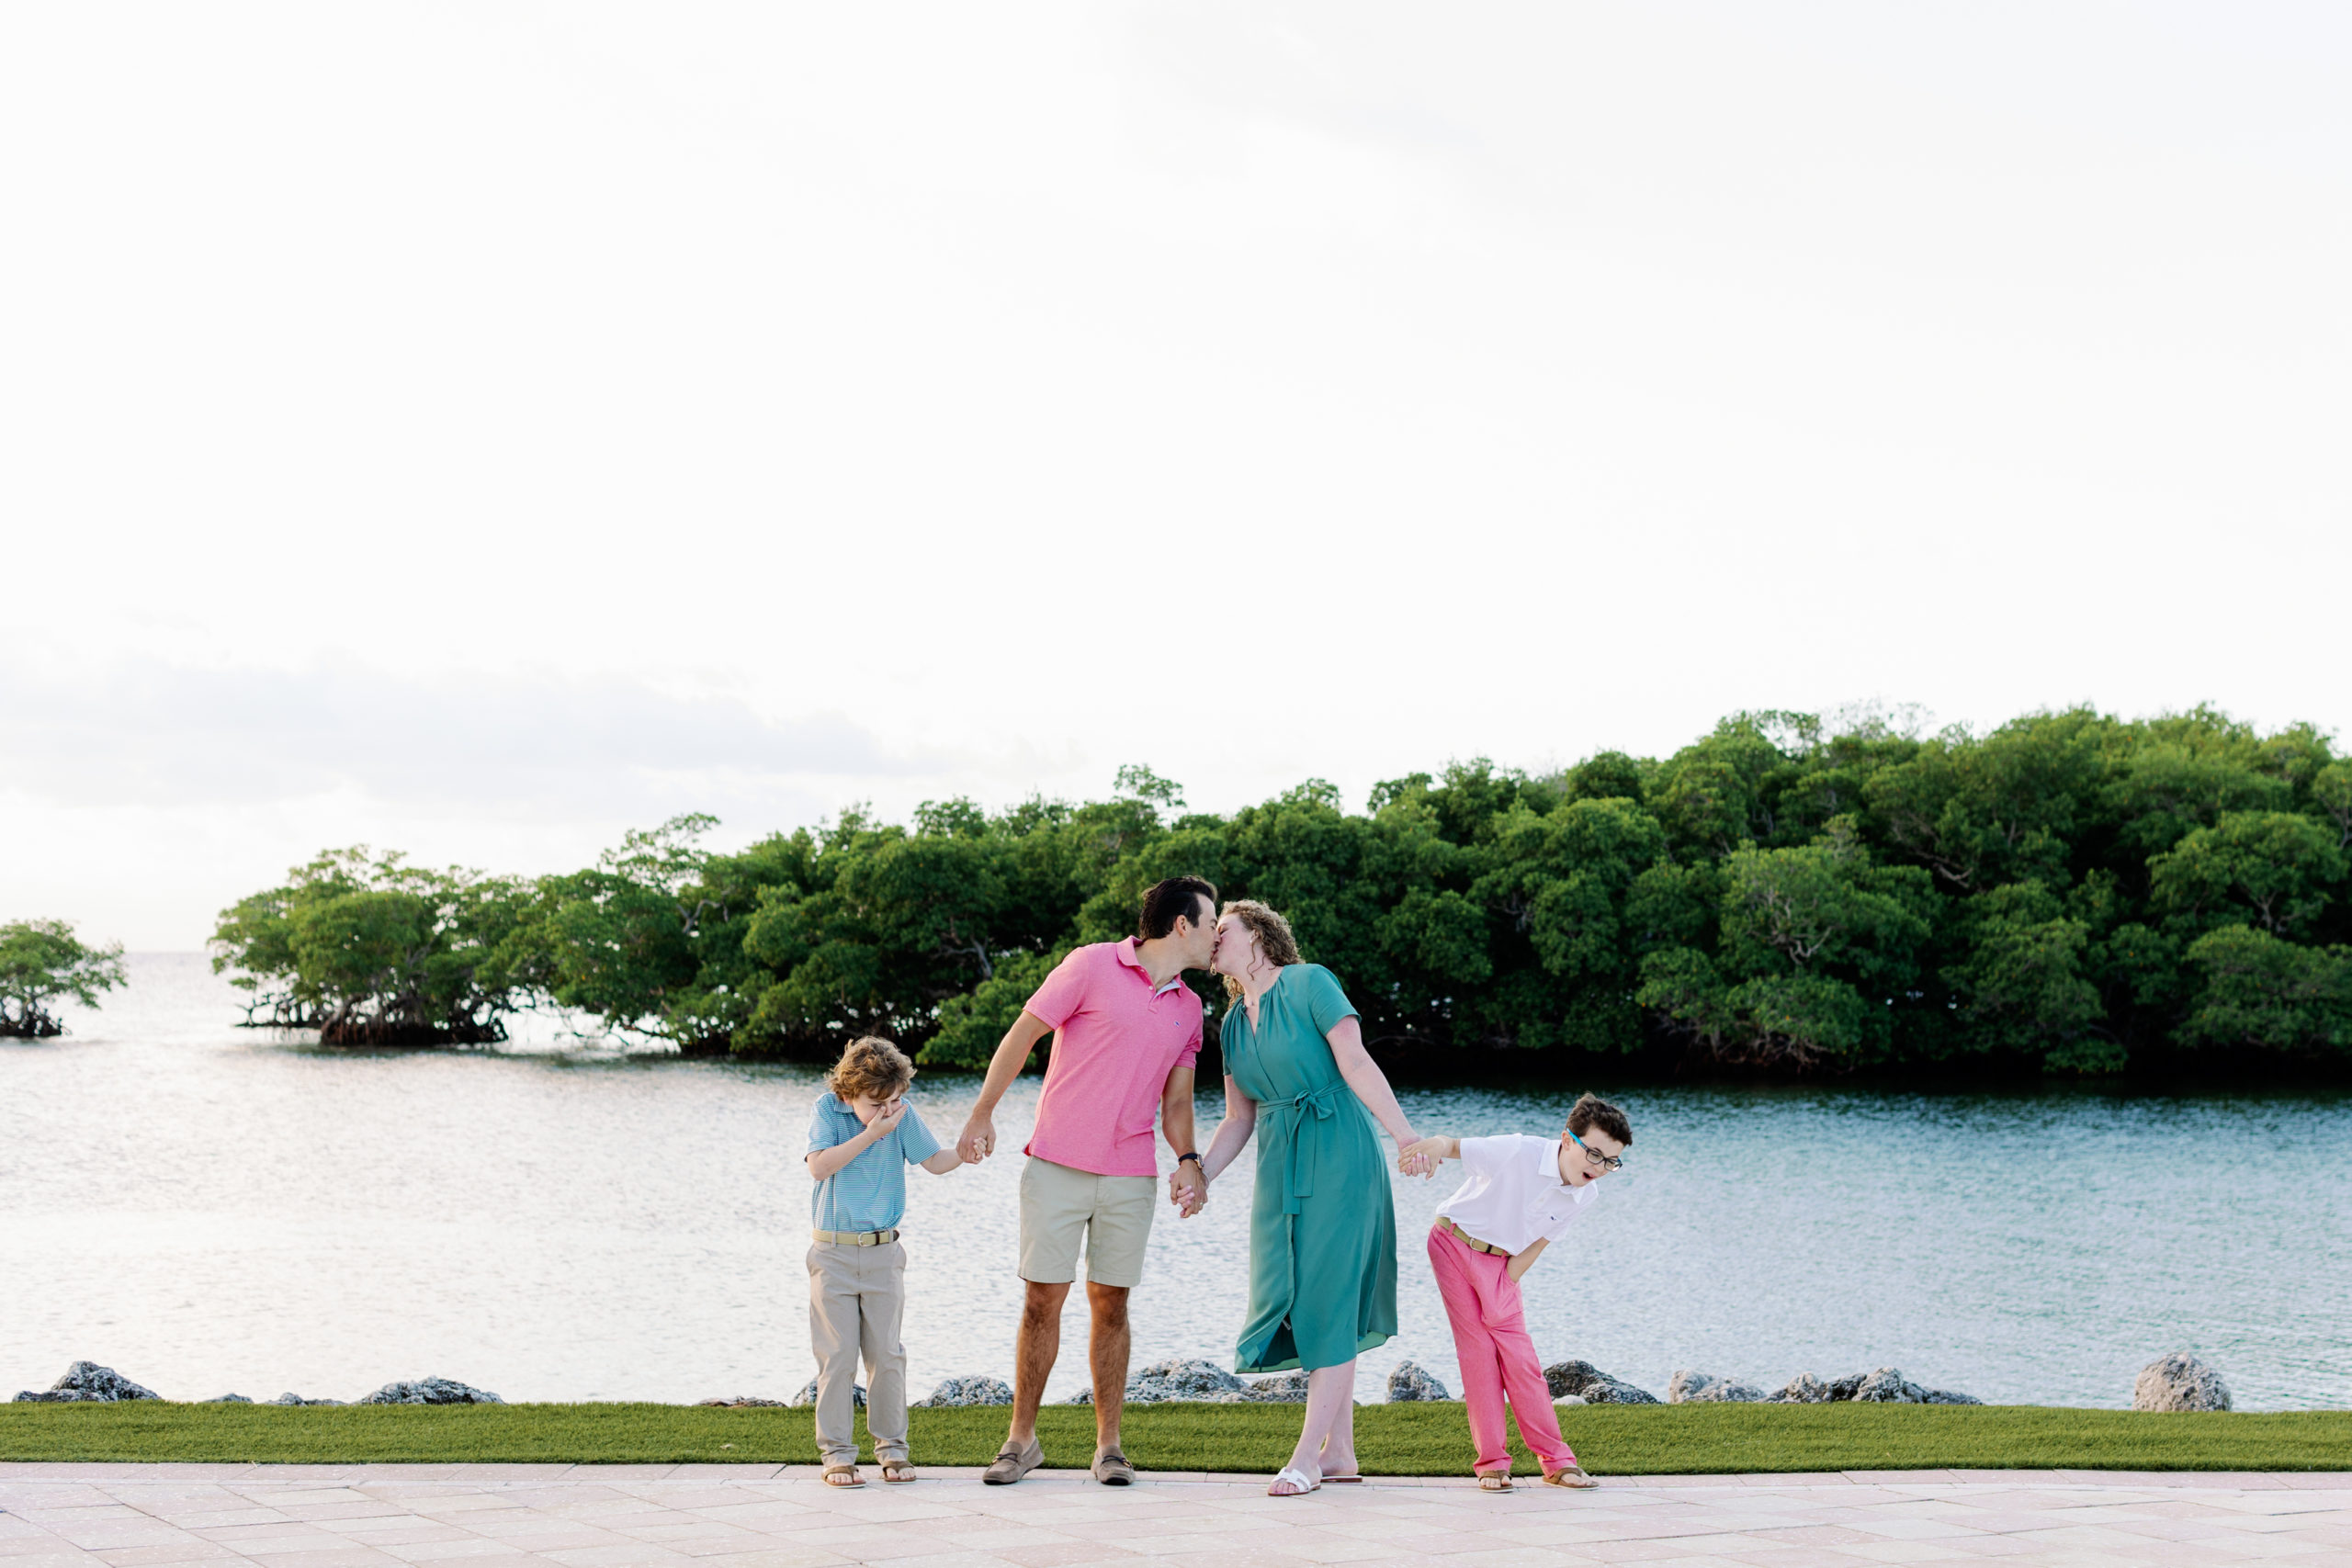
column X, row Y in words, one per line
column 1422, row 1156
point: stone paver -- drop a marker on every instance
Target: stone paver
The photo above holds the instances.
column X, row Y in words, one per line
column 701, row 1515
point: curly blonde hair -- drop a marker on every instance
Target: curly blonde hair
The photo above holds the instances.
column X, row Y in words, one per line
column 871, row 1066
column 1274, row 934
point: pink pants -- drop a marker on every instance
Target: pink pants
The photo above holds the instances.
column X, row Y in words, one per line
column 1498, row 1357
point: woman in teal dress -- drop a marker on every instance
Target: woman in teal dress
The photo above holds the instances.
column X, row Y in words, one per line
column 1322, row 1229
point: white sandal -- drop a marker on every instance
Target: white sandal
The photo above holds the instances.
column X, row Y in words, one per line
column 1299, row 1479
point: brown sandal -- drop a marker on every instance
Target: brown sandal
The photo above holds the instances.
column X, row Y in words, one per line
column 1493, row 1480
column 1570, row 1476
column 897, row 1473
column 834, row 1471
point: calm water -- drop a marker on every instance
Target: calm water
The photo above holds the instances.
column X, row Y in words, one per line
column 208, row 1209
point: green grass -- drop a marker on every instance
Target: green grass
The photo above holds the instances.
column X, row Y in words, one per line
column 1393, row 1440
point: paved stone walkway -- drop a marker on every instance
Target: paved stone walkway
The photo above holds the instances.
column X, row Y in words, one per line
column 127, row 1515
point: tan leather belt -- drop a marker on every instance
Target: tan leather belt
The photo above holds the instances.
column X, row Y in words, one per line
column 856, row 1239
column 1466, row 1239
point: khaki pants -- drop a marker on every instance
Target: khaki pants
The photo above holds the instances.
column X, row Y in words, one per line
column 856, row 1297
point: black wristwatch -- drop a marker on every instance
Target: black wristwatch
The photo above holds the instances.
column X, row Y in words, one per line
column 1188, row 1154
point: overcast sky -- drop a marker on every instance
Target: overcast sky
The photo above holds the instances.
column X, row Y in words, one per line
column 482, row 428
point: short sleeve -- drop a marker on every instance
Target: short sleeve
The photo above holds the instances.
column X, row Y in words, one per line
column 1325, row 1001
column 1484, row 1156
column 824, row 1124
column 1063, row 995
column 914, row 1139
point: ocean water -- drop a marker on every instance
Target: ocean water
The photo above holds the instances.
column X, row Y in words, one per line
column 210, row 1209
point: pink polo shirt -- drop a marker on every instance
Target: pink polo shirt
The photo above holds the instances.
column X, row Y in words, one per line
column 1117, row 1039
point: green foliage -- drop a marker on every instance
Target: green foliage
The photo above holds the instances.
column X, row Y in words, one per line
column 41, row 961
column 2069, row 893
column 372, row 951
column 2264, row 993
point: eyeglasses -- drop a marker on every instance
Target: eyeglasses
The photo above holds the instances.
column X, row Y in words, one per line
column 1594, row 1156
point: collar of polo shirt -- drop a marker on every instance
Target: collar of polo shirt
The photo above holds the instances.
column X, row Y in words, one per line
column 1552, row 1168
column 1128, row 956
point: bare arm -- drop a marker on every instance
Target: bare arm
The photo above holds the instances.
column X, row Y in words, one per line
column 1233, row 1132
column 1012, row 1054
column 823, row 1163
column 1364, row 1077
column 1188, row 1184
column 1176, row 1111
column 945, row 1161
column 1524, row 1260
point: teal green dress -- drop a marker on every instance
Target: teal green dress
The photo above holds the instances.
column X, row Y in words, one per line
column 1322, row 1228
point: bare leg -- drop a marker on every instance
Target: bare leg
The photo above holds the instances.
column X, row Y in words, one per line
column 1107, row 1349
column 1330, row 1391
column 1339, row 1447
column 1039, row 1342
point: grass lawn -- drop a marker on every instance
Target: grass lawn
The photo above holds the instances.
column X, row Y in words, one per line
column 1393, row 1440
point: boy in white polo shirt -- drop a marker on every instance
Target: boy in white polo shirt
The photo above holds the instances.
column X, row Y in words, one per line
column 1520, row 1195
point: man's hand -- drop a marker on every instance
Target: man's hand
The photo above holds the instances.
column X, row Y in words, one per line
column 1188, row 1188
column 979, row 1141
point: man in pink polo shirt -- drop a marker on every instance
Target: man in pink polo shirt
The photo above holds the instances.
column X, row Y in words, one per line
column 1126, row 1032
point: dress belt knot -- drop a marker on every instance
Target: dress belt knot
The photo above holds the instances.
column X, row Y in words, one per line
column 1298, row 1181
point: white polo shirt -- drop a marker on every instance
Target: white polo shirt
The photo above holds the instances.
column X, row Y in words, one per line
column 1513, row 1197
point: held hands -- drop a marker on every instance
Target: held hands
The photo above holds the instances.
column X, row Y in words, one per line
column 979, row 1141
column 1188, row 1188
column 1421, row 1159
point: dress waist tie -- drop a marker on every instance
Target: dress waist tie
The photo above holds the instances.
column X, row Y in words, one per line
column 1298, row 1181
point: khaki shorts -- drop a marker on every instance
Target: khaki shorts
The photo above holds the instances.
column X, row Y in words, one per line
column 1061, row 1207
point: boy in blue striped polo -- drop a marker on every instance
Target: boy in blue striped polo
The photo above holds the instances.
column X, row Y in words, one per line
column 861, row 1138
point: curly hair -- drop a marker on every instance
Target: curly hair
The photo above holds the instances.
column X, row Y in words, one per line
column 1274, row 934
column 871, row 1066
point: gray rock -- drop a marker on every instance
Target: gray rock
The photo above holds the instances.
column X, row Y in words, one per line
column 966, row 1391
column 298, row 1399
column 1705, row 1388
column 1409, row 1384
column 1283, row 1388
column 88, row 1381
column 228, row 1399
column 428, row 1391
column 2177, row 1382
column 808, row 1396
column 1884, row 1385
column 1163, row 1382
column 1803, row 1389
column 1597, row 1386
column 747, row 1402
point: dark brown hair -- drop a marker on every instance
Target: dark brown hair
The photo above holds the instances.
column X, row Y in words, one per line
column 871, row 1066
column 1172, row 899
column 1274, row 934
column 1594, row 1112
